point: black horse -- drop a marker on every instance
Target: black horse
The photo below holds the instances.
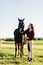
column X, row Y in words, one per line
column 19, row 37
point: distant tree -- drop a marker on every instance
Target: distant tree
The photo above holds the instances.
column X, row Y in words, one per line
column 35, row 38
column 9, row 39
column 38, row 38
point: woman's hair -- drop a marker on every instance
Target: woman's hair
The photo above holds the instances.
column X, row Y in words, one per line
column 32, row 26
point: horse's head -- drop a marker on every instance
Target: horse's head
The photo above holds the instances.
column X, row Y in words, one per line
column 21, row 23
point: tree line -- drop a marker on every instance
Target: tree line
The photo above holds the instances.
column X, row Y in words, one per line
column 12, row 39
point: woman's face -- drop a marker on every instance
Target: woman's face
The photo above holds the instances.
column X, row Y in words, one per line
column 29, row 26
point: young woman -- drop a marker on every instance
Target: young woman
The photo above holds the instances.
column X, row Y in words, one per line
column 29, row 37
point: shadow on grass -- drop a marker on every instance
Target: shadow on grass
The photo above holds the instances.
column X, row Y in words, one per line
column 40, row 56
column 16, row 62
column 1, row 54
column 6, row 56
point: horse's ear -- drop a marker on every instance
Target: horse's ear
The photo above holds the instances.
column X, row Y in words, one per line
column 23, row 19
column 18, row 19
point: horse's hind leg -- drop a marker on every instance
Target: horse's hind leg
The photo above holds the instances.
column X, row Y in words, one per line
column 20, row 50
column 15, row 49
column 22, row 44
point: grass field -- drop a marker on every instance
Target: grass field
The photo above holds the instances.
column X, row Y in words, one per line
column 7, row 54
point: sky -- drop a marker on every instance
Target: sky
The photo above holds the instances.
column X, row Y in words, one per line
column 11, row 10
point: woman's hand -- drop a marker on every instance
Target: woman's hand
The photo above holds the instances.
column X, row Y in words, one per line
column 27, row 37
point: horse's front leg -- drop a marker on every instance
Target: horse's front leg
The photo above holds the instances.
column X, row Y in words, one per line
column 18, row 48
column 15, row 49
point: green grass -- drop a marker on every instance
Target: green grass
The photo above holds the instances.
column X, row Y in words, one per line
column 38, row 42
column 7, row 55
